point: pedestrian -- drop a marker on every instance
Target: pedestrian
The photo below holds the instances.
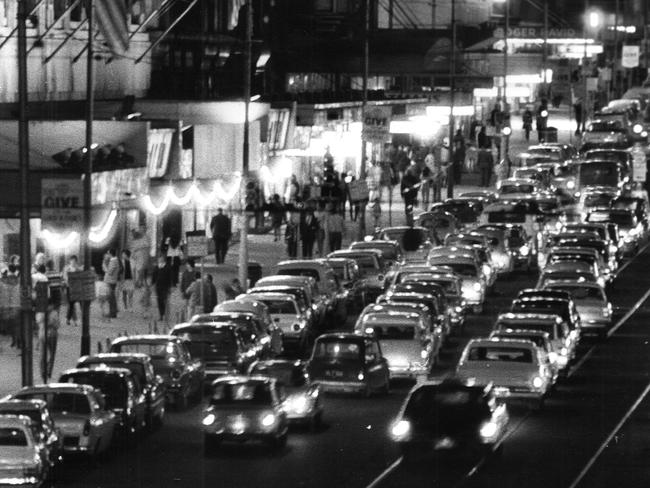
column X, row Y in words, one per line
column 127, row 283
column 13, row 269
column 209, row 295
column 111, row 268
column 221, row 228
column 140, row 257
column 291, row 237
column 527, row 119
column 376, row 214
column 482, row 138
column 458, row 156
column 427, row 177
column 409, row 189
column 161, row 279
column 232, row 289
column 485, row 162
column 72, row 317
column 187, row 277
column 174, row 253
column 40, row 289
column 344, row 191
column 50, row 339
column 308, row 233
column 277, row 214
column 321, row 215
column 293, row 190
column 193, row 296
column 335, row 228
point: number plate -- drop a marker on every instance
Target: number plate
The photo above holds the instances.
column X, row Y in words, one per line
column 333, row 373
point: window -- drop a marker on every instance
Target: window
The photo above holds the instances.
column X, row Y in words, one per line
column 12, row 437
column 337, row 349
column 509, row 354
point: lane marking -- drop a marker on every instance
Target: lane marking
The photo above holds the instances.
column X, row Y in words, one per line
column 385, row 473
column 625, row 317
column 629, row 261
column 603, row 446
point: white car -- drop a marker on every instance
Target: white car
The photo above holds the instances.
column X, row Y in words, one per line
column 516, row 368
column 23, row 459
column 474, row 285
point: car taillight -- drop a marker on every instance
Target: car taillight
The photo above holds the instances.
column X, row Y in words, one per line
column 86, row 431
column 176, row 374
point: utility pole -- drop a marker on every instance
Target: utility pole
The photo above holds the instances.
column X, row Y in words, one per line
column 243, row 229
column 88, row 171
column 364, row 102
column 615, row 67
column 545, row 51
column 452, row 89
column 26, row 324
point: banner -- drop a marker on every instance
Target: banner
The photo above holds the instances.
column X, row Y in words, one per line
column 376, row 124
column 630, row 57
column 62, row 204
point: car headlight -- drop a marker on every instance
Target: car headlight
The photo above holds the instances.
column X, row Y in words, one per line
column 297, row 403
column 524, row 250
column 401, row 430
column 607, row 311
column 487, row 270
column 209, row 419
column 268, row 420
column 458, row 309
column 361, row 376
column 537, row 382
column 424, row 354
column 564, row 351
column 476, row 287
column 488, row 430
column 570, row 184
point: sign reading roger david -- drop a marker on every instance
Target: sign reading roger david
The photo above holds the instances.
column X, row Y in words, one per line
column 62, row 204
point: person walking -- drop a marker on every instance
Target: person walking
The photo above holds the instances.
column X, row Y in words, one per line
column 409, row 189
column 193, row 296
column 485, row 162
column 187, row 278
column 482, row 138
column 277, row 214
column 527, row 119
column 293, row 190
column 221, row 228
column 209, row 295
column 458, row 156
column 111, row 268
column 174, row 252
column 335, row 228
column 321, row 216
column 72, row 316
column 291, row 237
column 128, row 283
column 308, row 233
column 40, row 292
column 161, row 279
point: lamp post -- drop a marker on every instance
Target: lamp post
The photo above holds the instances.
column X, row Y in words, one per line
column 452, row 89
column 506, row 110
column 592, row 22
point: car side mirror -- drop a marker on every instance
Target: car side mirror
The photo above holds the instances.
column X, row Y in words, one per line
column 159, row 380
column 371, row 358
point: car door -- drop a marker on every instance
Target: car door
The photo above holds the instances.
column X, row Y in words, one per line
column 375, row 364
column 156, row 390
column 139, row 402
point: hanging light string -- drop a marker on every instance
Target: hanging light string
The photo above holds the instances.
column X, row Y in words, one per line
column 218, row 194
column 98, row 233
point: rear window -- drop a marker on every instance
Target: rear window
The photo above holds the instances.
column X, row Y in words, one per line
column 59, row 402
column 599, row 174
column 312, row 273
column 508, row 354
column 154, row 350
column 281, row 307
column 113, row 387
column 136, row 368
column 535, row 339
column 12, row 437
column 506, row 217
column 622, row 219
column 509, row 189
column 396, row 332
column 337, row 350
column 285, row 373
column 248, row 393
column 579, row 293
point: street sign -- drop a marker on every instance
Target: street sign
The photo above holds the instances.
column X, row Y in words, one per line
column 62, row 204
column 81, row 285
column 376, row 124
column 196, row 244
column 639, row 164
column 630, row 57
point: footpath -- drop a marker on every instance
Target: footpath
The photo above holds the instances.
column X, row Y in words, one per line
column 261, row 248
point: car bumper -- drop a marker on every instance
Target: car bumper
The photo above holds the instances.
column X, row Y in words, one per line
column 298, row 417
column 213, row 374
column 342, row 386
column 406, row 372
column 519, row 392
column 588, row 325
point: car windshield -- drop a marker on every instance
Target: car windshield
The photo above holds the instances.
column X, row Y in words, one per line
column 432, row 405
column 337, row 349
column 280, row 306
column 312, row 273
column 544, row 326
column 565, row 171
column 156, row 350
column 211, row 342
column 285, row 372
column 599, row 174
column 622, row 219
column 606, row 126
column 366, row 263
column 538, row 340
column 509, row 189
column 463, row 269
column 568, row 275
column 509, row 354
column 136, row 368
column 13, row 437
column 505, row 217
column 245, row 393
column 541, row 306
column 392, row 332
column 58, row 402
column 580, row 293
column 464, row 211
column 113, row 387
column 388, row 251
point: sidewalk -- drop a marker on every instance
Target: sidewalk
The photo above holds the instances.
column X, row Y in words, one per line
column 261, row 248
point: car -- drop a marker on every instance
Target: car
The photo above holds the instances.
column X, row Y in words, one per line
column 526, row 213
column 543, row 293
column 349, row 277
column 420, row 309
column 170, row 356
column 451, row 285
column 556, row 152
column 423, row 287
column 592, row 304
column 563, row 177
column 311, row 296
column 596, row 198
column 589, row 256
column 120, row 392
column 497, row 237
column 523, row 249
column 440, row 224
column 605, row 134
column 540, row 339
column 474, row 286
column 636, row 204
column 587, row 241
column 328, row 285
column 260, row 311
column 631, row 231
column 516, row 368
column 569, row 270
column 410, row 348
column 147, row 381
column 24, row 459
column 484, row 196
column 219, row 346
column 296, row 324
column 480, row 255
column 512, row 188
column 552, row 305
column 450, row 416
column 303, row 402
column 397, row 275
column 603, row 231
column 623, row 157
column 414, row 242
column 465, row 210
column 79, row 413
column 558, row 330
column 45, row 432
column 390, row 250
column 431, row 301
column 372, row 270
column 349, row 363
column 542, row 176
column 599, row 174
column 245, row 408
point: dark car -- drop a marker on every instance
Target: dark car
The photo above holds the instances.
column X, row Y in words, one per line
column 220, row 346
column 565, row 308
column 348, row 363
column 147, row 381
column 44, row 429
column 120, row 393
column 546, row 293
column 449, row 416
column 466, row 211
column 183, row 375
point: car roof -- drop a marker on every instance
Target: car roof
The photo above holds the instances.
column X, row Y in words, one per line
column 14, row 421
column 231, row 379
column 520, row 332
column 582, row 284
column 494, row 342
column 378, row 242
column 528, row 317
column 121, row 372
column 343, row 336
column 9, row 404
column 57, row 388
column 146, row 338
column 270, row 296
column 197, row 325
column 356, row 252
column 285, row 279
column 137, row 357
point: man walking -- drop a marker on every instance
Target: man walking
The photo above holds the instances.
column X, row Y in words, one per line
column 335, row 227
column 409, row 188
column 485, row 162
column 308, row 231
column 221, row 229
column 111, row 268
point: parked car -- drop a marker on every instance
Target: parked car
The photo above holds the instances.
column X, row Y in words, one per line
column 120, row 392
column 415, row 241
column 303, row 401
column 245, row 408
column 474, row 286
column 45, row 432
column 260, row 311
column 372, row 270
column 390, row 250
column 312, row 295
column 349, row 277
column 170, row 356
column 517, row 369
column 147, row 381
column 349, row 363
column 450, row 416
column 25, row 460
column 79, row 413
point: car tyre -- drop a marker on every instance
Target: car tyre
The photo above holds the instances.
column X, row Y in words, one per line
column 385, row 389
column 210, row 443
column 316, row 422
column 279, row 443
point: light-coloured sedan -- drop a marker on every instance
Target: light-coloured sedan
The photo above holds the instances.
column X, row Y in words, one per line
column 474, row 285
column 516, row 368
column 23, row 458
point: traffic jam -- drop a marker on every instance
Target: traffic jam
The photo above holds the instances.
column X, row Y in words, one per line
column 360, row 320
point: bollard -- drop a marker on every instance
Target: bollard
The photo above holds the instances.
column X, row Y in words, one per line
column 99, row 347
column 108, row 344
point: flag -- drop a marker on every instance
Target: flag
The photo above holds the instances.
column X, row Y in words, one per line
column 112, row 23
column 235, row 7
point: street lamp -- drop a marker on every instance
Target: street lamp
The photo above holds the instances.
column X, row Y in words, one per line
column 593, row 19
column 506, row 4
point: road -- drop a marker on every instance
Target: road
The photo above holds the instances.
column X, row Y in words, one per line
column 562, row 446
